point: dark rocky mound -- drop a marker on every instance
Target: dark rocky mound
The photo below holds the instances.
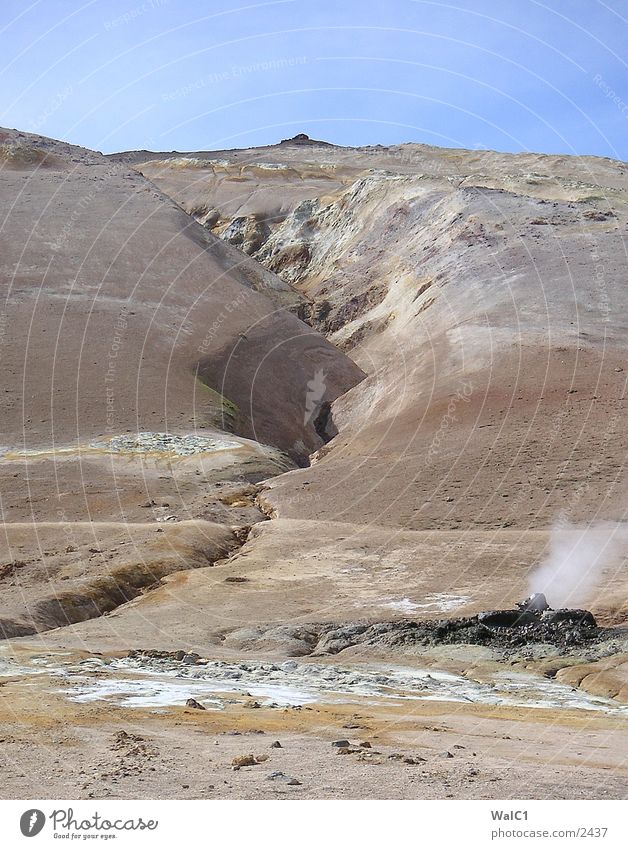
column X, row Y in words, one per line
column 497, row 628
column 505, row 629
column 303, row 139
column 501, row 629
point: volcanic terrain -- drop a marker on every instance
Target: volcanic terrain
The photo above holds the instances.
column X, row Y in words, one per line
column 269, row 416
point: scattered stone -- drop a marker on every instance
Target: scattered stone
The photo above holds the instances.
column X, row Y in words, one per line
column 251, row 704
column 446, row 755
column 568, row 616
column 366, row 745
column 130, row 747
column 248, row 760
column 192, row 657
column 234, row 579
column 121, row 736
column 276, row 745
column 192, row 703
column 414, row 760
column 281, row 776
column 150, row 442
column 243, row 760
column 7, row 569
column 370, row 757
column 341, row 744
column 276, row 776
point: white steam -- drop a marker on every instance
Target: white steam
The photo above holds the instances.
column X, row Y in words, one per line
column 577, row 561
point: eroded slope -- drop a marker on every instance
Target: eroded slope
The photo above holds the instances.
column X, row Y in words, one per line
column 484, row 296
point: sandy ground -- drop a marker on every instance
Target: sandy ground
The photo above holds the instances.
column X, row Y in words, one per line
column 78, row 750
column 469, row 752
column 298, row 572
column 74, row 571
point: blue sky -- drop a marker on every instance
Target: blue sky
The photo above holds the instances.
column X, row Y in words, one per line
column 185, row 74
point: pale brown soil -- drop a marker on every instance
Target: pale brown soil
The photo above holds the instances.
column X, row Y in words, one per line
column 55, row 574
column 300, row 572
column 74, row 751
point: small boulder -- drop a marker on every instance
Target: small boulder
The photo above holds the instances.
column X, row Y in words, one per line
column 536, row 603
column 248, row 760
column 277, row 776
column 243, row 760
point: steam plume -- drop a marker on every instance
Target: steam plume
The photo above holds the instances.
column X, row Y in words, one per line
column 577, row 556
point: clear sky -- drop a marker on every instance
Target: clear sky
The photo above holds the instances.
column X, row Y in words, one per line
column 201, row 74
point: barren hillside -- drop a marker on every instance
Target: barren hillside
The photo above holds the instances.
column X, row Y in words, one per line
column 279, row 426
column 121, row 312
column 150, row 373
